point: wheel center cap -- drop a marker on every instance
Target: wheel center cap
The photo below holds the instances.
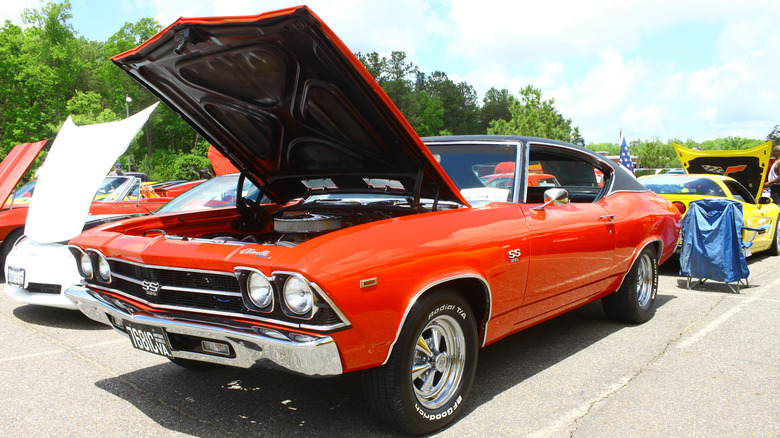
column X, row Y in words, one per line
column 441, row 362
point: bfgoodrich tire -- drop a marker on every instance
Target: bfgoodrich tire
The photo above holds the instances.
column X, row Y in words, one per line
column 634, row 302
column 428, row 377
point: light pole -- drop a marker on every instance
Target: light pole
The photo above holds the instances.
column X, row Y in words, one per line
column 127, row 110
column 127, row 104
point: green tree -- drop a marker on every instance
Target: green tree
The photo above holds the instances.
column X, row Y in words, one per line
column 431, row 116
column 459, row 102
column 531, row 116
column 774, row 136
column 655, row 154
column 40, row 68
column 87, row 108
column 495, row 106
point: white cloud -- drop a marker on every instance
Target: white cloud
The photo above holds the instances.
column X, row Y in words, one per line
column 708, row 115
column 647, row 119
column 594, row 58
column 12, row 10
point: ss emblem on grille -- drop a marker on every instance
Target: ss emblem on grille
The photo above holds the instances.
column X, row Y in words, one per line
column 152, row 288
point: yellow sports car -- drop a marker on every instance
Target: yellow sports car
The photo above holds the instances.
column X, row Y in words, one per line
column 725, row 174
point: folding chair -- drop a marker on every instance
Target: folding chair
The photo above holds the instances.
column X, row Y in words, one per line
column 712, row 244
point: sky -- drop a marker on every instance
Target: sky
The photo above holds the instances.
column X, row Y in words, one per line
column 666, row 69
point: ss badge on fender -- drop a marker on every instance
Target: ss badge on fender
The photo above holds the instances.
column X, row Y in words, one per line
column 514, row 255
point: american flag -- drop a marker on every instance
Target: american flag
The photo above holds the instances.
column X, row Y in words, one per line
column 625, row 157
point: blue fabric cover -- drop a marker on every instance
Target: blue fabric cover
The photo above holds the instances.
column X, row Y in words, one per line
column 712, row 241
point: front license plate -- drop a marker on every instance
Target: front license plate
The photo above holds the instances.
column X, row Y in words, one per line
column 15, row 276
column 149, row 338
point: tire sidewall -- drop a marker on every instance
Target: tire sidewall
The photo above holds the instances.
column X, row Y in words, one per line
column 427, row 420
column 647, row 311
column 775, row 248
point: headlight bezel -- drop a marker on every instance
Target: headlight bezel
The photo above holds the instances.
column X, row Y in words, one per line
column 261, row 303
column 102, row 263
column 82, row 258
column 297, row 288
column 99, row 262
column 279, row 305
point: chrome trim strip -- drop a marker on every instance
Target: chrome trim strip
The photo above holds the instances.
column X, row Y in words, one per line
column 413, row 301
column 331, row 304
column 211, row 312
column 181, row 289
column 524, row 166
column 301, row 353
column 172, row 268
column 521, row 172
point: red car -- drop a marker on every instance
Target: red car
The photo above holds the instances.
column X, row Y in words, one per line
column 368, row 257
column 14, row 210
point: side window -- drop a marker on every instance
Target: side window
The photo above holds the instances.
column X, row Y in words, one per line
column 739, row 192
column 132, row 195
column 579, row 174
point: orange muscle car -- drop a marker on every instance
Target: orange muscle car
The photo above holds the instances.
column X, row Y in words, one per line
column 379, row 250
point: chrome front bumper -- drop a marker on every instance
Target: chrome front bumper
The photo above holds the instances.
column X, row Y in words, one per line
column 253, row 345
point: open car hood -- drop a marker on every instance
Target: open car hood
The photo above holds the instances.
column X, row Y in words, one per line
column 78, row 161
column 15, row 164
column 287, row 102
column 748, row 166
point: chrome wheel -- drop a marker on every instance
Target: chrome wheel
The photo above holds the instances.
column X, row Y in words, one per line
column 439, row 361
column 427, row 379
column 644, row 281
column 634, row 301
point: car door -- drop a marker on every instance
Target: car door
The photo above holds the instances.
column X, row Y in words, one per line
column 571, row 245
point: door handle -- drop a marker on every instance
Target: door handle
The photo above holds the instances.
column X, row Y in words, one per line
column 607, row 218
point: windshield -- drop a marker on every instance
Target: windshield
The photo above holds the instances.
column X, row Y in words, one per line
column 23, row 194
column 216, row 192
column 678, row 185
column 112, row 188
column 482, row 172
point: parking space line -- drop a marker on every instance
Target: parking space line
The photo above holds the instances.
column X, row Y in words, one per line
column 724, row 317
column 100, row 344
column 715, row 323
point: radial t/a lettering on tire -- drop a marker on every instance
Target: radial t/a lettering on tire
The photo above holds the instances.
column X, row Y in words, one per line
column 634, row 302
column 426, row 381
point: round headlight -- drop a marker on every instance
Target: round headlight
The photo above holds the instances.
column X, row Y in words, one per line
column 86, row 265
column 298, row 295
column 104, row 270
column 259, row 290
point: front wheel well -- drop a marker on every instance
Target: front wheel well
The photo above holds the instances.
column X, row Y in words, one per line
column 476, row 292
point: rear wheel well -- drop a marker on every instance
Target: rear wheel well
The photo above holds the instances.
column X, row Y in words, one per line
column 475, row 292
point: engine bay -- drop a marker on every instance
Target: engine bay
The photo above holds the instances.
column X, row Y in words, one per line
column 295, row 224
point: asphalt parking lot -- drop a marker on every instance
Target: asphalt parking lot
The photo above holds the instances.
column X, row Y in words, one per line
column 708, row 364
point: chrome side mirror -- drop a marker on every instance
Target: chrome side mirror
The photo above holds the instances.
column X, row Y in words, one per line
column 556, row 196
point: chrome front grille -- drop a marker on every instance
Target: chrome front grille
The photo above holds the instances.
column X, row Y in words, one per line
column 178, row 288
column 205, row 292
column 180, row 279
